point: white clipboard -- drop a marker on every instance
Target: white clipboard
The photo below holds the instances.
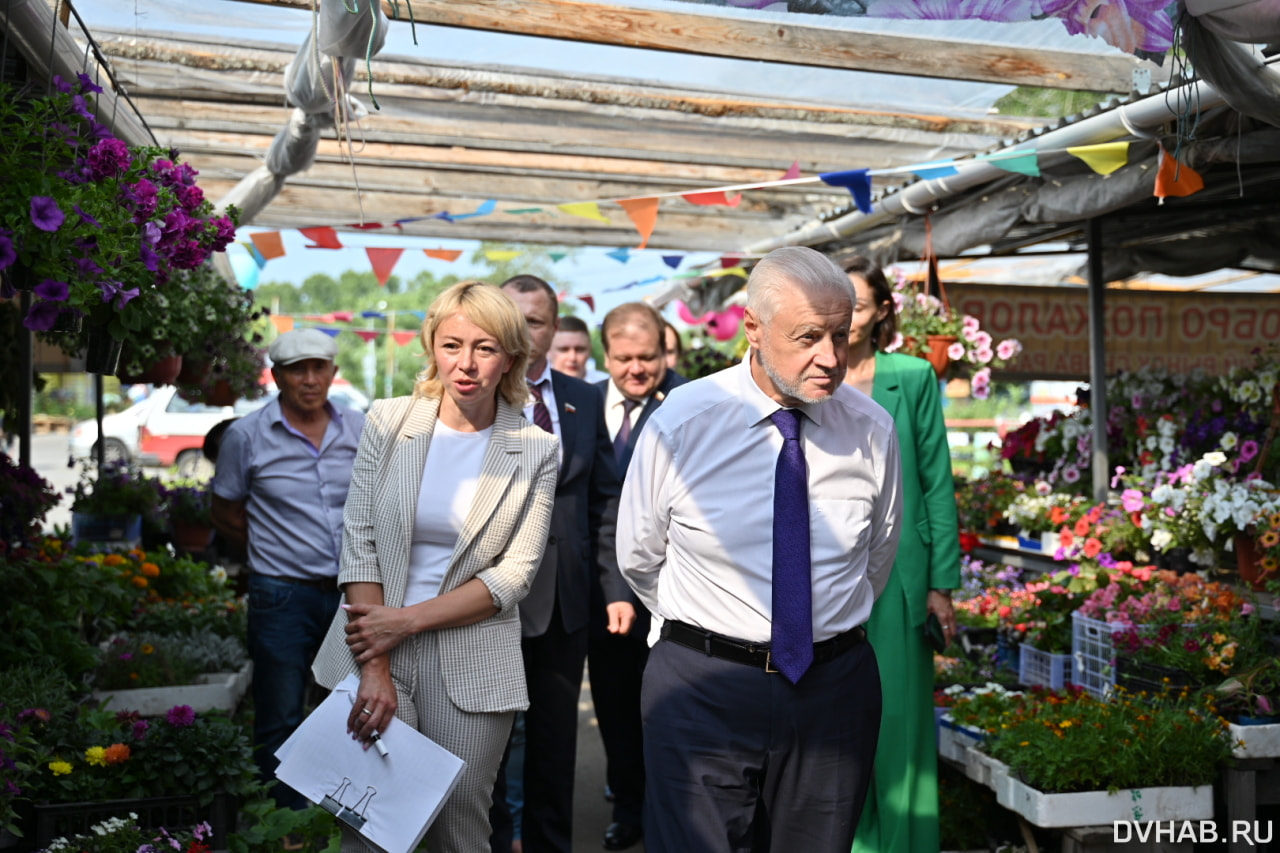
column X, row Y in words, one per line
column 391, row 800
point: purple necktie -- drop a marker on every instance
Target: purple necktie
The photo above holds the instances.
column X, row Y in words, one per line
column 792, row 638
column 624, row 433
column 541, row 416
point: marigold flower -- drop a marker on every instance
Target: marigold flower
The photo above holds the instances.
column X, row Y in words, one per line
column 139, row 581
column 113, row 560
column 151, row 570
column 59, row 768
column 117, row 753
column 96, row 755
column 148, row 649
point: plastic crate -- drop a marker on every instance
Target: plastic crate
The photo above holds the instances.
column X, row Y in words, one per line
column 1043, row 669
column 64, row 820
column 1007, row 653
column 1094, row 654
column 1141, row 677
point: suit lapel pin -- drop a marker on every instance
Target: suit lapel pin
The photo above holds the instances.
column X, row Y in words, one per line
column 570, row 409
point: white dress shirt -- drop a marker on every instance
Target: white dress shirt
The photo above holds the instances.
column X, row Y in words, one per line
column 695, row 524
column 548, row 400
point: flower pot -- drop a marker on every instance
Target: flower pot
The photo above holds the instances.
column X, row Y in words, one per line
column 1255, row 741
column 220, row 691
column 220, row 394
column 194, row 370
column 55, row 820
column 937, row 354
column 191, row 537
column 102, row 351
column 1249, row 564
column 68, row 323
column 163, row 371
column 106, row 532
column 1091, row 808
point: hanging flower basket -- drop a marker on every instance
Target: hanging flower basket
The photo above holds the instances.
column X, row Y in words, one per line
column 937, row 354
column 102, row 351
column 220, row 394
column 193, row 371
column 163, row 371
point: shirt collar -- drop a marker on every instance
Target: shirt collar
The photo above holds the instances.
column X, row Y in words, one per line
column 545, row 377
column 758, row 406
column 614, row 398
column 277, row 412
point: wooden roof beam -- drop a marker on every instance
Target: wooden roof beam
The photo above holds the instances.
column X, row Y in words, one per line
column 770, row 41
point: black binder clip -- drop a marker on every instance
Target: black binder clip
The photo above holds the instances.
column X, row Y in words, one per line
column 353, row 815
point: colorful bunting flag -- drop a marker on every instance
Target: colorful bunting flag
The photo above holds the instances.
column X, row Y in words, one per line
column 364, row 226
column 1175, row 179
column 713, row 197
column 486, row 207
column 404, row 338
column 254, row 253
column 331, row 332
column 318, row 318
column 935, row 169
column 449, row 255
column 729, row 261
column 343, row 316
column 585, row 209
column 500, row 255
column 322, row 237
column 518, row 210
column 557, row 257
column 365, row 335
column 1022, row 161
column 673, row 261
column 590, row 300
column 792, row 172
column 856, row 181
column 383, row 261
column 282, row 324
column 269, row 244
column 372, row 315
column 643, row 213
column 730, row 271
column 1103, row 159
column 421, row 315
column 619, row 255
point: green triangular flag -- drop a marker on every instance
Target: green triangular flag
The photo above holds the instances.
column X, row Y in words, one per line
column 1022, row 162
column 557, row 256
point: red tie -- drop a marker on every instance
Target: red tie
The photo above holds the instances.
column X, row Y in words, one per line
column 541, row 416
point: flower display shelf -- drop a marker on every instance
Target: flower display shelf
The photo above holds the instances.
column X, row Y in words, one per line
column 1092, row 808
column 986, row 770
column 106, row 532
column 954, row 739
column 1256, row 741
column 1043, row 669
column 220, row 691
column 63, row 820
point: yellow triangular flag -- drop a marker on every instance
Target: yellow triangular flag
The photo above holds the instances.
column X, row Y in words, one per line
column 501, row 255
column 585, row 209
column 1103, row 159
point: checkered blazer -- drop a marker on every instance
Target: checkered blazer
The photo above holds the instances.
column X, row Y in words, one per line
column 501, row 543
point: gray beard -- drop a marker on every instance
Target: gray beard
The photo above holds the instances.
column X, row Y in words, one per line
column 791, row 389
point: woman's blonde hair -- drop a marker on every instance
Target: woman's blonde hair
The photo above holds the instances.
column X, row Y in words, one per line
column 492, row 310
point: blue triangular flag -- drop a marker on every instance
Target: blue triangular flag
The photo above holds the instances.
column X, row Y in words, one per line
column 620, row 255
column 445, row 215
column 673, row 261
column 333, row 333
column 935, row 169
column 256, row 255
column 484, row 209
column 856, row 181
column 372, row 315
column 421, row 315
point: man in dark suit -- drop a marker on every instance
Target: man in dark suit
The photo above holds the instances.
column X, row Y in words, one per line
column 555, row 615
column 635, row 356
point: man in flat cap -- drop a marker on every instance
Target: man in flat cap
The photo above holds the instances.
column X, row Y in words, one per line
column 279, row 491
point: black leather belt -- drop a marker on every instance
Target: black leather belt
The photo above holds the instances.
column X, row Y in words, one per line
column 754, row 654
column 322, row 584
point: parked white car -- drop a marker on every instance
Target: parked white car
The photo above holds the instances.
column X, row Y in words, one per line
column 121, row 430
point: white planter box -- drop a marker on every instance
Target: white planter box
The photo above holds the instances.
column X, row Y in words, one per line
column 213, row 691
column 1256, row 741
column 954, row 739
column 1092, row 808
column 986, row 770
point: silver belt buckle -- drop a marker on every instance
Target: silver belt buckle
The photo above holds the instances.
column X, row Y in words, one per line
column 768, row 662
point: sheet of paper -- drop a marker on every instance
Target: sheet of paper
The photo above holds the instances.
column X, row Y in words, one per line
column 398, row 796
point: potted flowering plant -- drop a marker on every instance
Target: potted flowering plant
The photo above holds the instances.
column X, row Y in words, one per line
column 94, row 228
column 930, row 328
column 112, row 504
column 188, row 505
column 25, row 497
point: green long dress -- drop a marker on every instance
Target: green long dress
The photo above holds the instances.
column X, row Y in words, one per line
column 901, row 812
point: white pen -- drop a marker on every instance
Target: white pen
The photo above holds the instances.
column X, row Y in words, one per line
column 374, row 737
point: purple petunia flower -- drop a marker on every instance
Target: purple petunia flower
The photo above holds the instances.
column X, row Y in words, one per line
column 188, row 255
column 55, row 291
column 61, row 85
column 181, row 716
column 149, row 258
column 143, row 196
column 108, row 158
column 42, row 315
column 87, row 84
column 45, row 213
column 190, row 197
column 7, row 253
column 151, row 233
column 140, row 729
column 114, row 290
column 80, row 108
column 87, row 268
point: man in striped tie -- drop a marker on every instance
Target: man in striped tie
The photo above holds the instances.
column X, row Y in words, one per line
column 767, row 499
column 555, row 616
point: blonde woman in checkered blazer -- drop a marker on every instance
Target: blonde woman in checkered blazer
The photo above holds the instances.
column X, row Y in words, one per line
column 444, row 529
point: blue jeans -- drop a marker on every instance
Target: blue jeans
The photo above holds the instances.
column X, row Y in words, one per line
column 287, row 622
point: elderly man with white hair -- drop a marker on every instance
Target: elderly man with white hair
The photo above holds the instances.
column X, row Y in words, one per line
column 759, row 519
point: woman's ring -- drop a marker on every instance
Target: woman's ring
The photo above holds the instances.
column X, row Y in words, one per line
column 366, row 711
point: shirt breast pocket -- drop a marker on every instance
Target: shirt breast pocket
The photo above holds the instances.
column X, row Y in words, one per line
column 839, row 527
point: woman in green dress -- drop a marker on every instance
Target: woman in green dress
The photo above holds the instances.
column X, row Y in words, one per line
column 901, row 811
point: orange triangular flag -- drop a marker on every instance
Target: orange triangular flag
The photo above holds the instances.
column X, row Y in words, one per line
column 714, row 197
column 282, row 324
column 644, row 215
column 322, row 236
column 449, row 255
column 1176, row 179
column 268, row 243
column 384, row 261
column 403, row 338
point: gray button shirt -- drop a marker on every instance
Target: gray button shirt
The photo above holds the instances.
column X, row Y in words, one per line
column 294, row 492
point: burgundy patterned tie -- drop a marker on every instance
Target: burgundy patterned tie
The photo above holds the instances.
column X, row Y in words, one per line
column 541, row 416
column 792, row 632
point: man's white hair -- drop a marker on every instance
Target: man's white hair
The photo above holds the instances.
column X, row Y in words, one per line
column 797, row 267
